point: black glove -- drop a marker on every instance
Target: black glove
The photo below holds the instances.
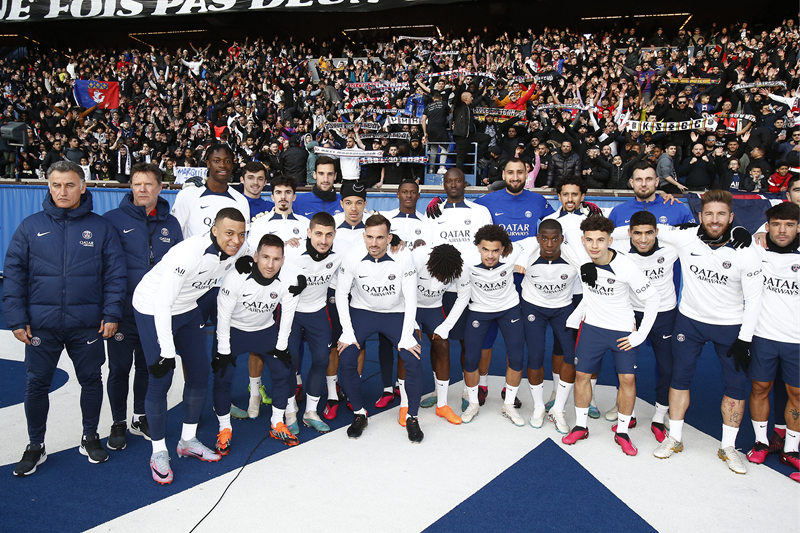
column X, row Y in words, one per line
column 283, row 356
column 687, row 225
column 161, row 368
column 741, row 238
column 301, row 284
column 244, row 265
column 220, row 362
column 434, row 209
column 740, row 350
column 197, row 181
column 589, row 274
column 395, row 240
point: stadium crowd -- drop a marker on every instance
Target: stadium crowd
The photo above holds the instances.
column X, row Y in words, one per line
column 564, row 103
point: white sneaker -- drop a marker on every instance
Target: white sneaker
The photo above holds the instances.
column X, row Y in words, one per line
column 470, row 412
column 668, row 447
column 733, row 460
column 254, row 407
column 512, row 414
column 537, row 419
column 613, row 413
column 441, row 170
column 557, row 418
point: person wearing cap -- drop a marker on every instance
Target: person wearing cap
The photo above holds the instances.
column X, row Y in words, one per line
column 494, row 170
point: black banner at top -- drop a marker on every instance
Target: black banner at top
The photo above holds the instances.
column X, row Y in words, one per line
column 36, row 10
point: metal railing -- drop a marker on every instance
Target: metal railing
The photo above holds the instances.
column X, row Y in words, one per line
column 443, row 156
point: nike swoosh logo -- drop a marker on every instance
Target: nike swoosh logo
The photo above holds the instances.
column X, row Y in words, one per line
column 694, row 254
column 201, row 327
column 204, row 206
column 442, row 222
column 627, row 221
column 666, row 336
column 40, row 234
column 426, row 279
column 91, row 342
column 159, row 474
column 203, row 272
column 329, row 344
column 498, row 214
column 128, row 230
column 515, row 320
column 362, row 276
column 246, row 295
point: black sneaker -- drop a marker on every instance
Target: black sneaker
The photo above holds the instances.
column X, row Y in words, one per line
column 357, row 427
column 91, row 448
column 116, row 441
column 141, row 428
column 34, row 456
column 517, row 402
column 415, row 434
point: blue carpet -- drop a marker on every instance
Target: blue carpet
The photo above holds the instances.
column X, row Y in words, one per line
column 520, row 486
column 12, row 390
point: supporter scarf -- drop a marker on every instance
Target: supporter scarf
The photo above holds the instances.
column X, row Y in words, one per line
column 493, row 112
column 403, row 120
column 347, row 153
column 379, row 86
column 740, row 116
column 325, row 196
column 315, row 255
column 446, row 53
column 775, row 83
column 692, row 81
column 456, row 73
column 404, row 159
column 707, row 123
column 127, row 166
column 385, row 135
column 562, row 106
column 409, row 38
column 373, row 126
column 366, row 100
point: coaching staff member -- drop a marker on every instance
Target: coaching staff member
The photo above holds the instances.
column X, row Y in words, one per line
column 64, row 278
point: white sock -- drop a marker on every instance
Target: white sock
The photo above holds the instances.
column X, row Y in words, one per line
column 622, row 423
column 661, row 412
column 633, row 413
column 483, row 381
column 388, row 389
column 556, row 379
column 592, row 402
column 472, row 392
column 511, row 394
column 299, row 379
column 761, row 431
column 537, row 393
column 255, row 384
column 403, row 395
column 361, row 411
column 159, row 445
column 562, row 395
column 291, row 405
column 728, row 436
column 780, row 426
column 676, row 429
column 332, row 387
column 224, row 421
column 277, row 416
column 792, row 441
column 188, row 431
column 311, row 403
column 441, row 392
column 136, row 417
column 581, row 416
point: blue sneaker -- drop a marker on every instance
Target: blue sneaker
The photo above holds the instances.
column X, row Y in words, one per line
column 549, row 405
column 291, row 423
column 313, row 421
column 464, row 401
column 240, row 414
column 594, row 412
column 429, row 402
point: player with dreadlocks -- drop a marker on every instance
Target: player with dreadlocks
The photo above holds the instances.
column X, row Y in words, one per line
column 439, row 269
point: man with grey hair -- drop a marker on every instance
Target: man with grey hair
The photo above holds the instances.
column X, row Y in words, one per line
column 64, row 287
